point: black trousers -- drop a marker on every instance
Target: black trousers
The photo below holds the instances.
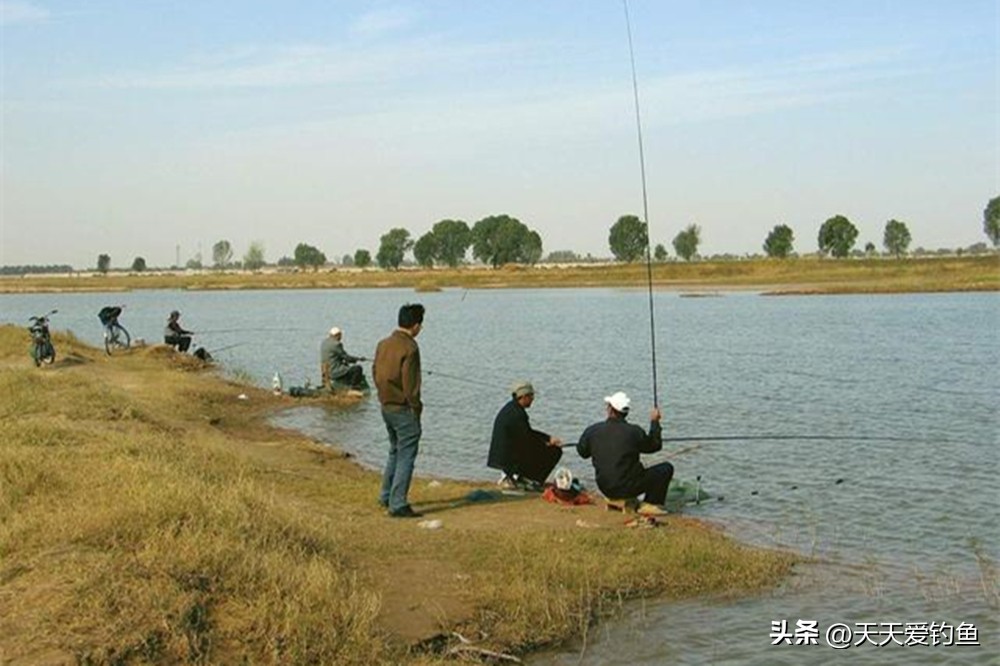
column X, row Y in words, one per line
column 181, row 342
column 353, row 377
column 657, row 481
column 537, row 463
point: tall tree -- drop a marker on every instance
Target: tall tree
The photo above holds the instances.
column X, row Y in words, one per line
column 138, row 264
column 452, row 239
column 308, row 255
column 837, row 236
column 686, row 242
column 627, row 238
column 253, row 260
column 222, row 254
column 896, row 238
column 425, row 249
column 362, row 258
column 778, row 243
column 392, row 248
column 991, row 221
column 103, row 263
column 502, row 239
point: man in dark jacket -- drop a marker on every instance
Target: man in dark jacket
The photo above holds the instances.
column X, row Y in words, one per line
column 615, row 446
column 526, row 456
column 396, row 371
column 176, row 335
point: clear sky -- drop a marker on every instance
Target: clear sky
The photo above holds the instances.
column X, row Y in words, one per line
column 132, row 127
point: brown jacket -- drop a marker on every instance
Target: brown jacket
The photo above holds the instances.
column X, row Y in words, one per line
column 396, row 371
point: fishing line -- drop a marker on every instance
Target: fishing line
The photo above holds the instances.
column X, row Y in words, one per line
column 474, row 382
column 645, row 204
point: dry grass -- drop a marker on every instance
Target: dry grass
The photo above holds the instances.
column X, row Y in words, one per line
column 149, row 516
column 802, row 275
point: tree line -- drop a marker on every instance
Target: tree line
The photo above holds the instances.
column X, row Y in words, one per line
column 501, row 239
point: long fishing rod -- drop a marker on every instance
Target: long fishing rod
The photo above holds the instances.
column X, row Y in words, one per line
column 252, row 330
column 791, row 438
column 220, row 349
column 645, row 201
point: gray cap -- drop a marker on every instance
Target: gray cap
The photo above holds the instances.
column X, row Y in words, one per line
column 521, row 389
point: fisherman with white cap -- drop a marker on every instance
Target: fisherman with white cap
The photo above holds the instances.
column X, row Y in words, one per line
column 336, row 365
column 615, row 446
column 525, row 456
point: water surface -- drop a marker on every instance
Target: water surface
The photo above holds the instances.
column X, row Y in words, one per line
column 901, row 508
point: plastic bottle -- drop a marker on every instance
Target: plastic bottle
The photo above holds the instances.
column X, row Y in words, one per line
column 276, row 384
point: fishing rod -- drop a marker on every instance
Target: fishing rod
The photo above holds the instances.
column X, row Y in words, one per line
column 253, row 330
column 221, row 349
column 645, row 201
column 806, row 438
column 786, row 438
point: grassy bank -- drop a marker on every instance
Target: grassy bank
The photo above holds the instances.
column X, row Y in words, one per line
column 806, row 275
column 148, row 513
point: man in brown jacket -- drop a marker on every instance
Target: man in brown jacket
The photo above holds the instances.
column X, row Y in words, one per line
column 396, row 371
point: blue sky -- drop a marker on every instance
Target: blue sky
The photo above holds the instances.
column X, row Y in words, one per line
column 133, row 127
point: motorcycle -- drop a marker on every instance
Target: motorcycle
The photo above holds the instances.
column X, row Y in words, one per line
column 42, row 350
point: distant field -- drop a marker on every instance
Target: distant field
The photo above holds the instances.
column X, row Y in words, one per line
column 807, row 275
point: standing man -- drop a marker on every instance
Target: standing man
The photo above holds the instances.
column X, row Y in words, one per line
column 525, row 455
column 336, row 365
column 615, row 446
column 396, row 372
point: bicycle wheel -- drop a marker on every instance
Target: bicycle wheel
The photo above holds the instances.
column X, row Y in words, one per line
column 117, row 339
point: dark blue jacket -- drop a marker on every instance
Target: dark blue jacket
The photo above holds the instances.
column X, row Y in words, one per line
column 615, row 447
column 514, row 440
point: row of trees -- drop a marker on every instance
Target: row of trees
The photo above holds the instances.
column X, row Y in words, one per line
column 502, row 239
column 629, row 242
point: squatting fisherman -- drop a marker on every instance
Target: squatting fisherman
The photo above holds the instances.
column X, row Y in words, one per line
column 525, row 456
column 615, row 446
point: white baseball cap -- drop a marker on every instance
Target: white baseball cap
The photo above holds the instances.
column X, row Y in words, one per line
column 619, row 401
column 335, row 331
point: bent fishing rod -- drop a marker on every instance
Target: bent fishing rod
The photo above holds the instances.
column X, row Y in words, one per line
column 645, row 202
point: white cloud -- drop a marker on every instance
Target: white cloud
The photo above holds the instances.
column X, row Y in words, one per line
column 21, row 12
column 381, row 21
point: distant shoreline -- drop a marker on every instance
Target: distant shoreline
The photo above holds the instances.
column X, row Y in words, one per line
column 801, row 276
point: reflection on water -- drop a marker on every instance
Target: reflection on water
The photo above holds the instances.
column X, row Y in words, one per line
column 904, row 522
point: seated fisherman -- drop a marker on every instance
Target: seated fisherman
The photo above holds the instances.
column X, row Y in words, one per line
column 336, row 365
column 175, row 335
column 615, row 446
column 524, row 455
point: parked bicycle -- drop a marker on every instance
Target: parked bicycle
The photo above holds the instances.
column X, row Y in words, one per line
column 42, row 350
column 116, row 337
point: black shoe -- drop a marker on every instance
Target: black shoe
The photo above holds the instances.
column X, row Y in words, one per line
column 406, row 512
column 384, row 505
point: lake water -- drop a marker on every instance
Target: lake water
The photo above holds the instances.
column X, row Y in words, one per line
column 900, row 506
